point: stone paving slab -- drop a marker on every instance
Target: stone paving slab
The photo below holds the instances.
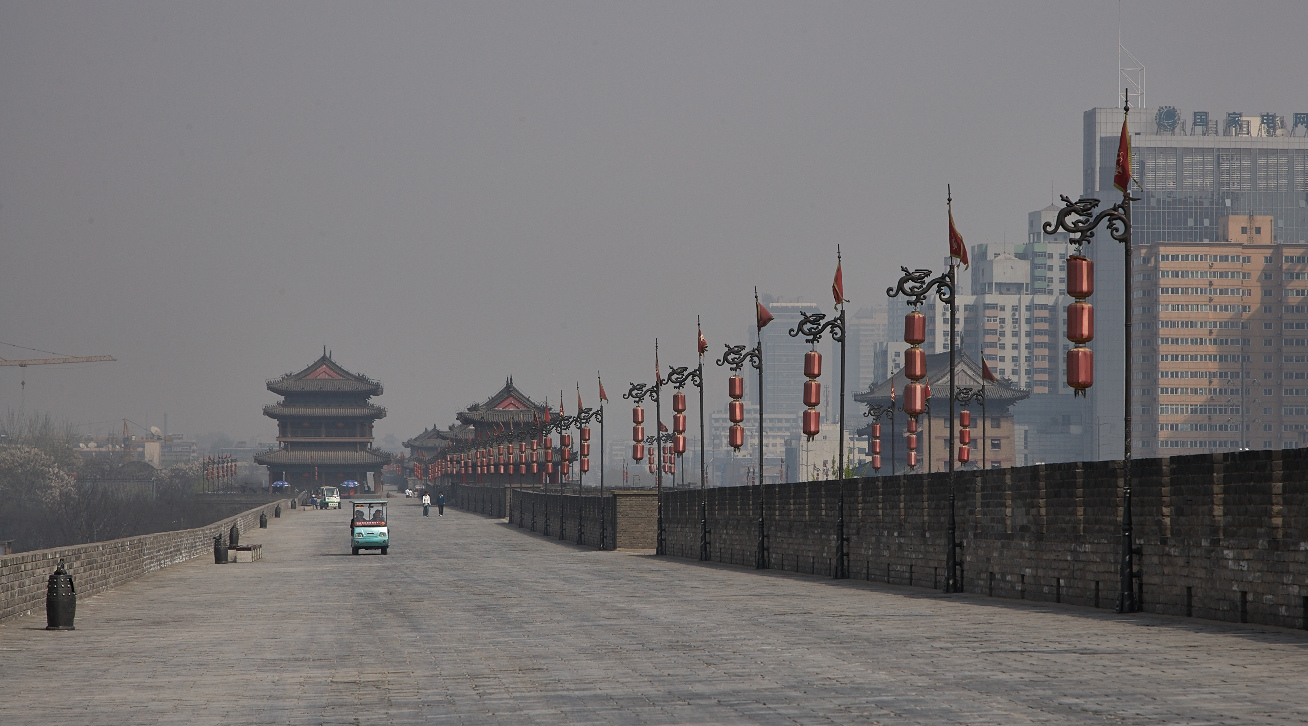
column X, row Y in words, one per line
column 472, row 621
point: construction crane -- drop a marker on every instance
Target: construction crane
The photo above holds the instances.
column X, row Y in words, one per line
column 25, row 362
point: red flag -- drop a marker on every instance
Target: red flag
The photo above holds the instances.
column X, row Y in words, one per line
column 579, row 406
column 764, row 317
column 892, row 393
column 603, row 396
column 1122, row 172
column 703, row 344
column 986, row 374
column 838, row 286
column 663, row 427
column 956, row 246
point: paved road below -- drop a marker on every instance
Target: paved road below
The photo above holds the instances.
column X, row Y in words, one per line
column 469, row 620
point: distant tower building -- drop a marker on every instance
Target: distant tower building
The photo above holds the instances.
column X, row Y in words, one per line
column 1196, row 169
column 324, row 428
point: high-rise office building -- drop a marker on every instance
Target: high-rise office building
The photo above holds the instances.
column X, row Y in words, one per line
column 1195, row 169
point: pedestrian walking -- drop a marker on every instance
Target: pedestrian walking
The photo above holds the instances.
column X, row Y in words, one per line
column 440, row 506
column 426, row 505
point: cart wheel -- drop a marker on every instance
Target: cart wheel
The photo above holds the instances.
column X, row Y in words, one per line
column 384, row 550
column 354, row 550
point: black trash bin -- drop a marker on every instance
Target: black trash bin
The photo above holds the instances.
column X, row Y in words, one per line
column 233, row 536
column 219, row 550
column 277, row 513
column 263, row 520
column 292, row 503
column 60, row 600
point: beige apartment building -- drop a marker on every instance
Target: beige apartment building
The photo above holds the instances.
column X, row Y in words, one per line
column 1220, row 345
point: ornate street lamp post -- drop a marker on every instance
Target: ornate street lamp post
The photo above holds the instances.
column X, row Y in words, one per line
column 967, row 395
column 583, row 418
column 1079, row 220
column 812, row 328
column 679, row 377
column 735, row 357
column 637, row 394
column 915, row 287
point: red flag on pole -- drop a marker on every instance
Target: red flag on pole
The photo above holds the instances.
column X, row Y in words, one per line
column 838, row 285
column 579, row 406
column 703, row 344
column 1122, row 172
column 986, row 373
column 603, row 396
column 764, row 317
column 956, row 246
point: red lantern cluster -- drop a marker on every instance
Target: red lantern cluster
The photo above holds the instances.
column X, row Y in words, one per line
column 964, row 436
column 584, row 461
column 911, row 442
column 736, row 411
column 637, row 433
column 875, row 447
column 915, row 393
column 812, row 393
column 1080, row 324
column 535, row 457
column 679, row 423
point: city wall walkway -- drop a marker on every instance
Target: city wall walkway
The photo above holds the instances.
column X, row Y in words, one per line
column 469, row 620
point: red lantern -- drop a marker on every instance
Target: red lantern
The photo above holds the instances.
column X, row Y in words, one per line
column 812, row 419
column 533, row 448
column 585, row 448
column 679, row 444
column 563, row 467
column 678, row 402
column 876, row 446
column 965, row 436
column 638, row 415
column 912, row 425
column 736, row 411
column 736, row 436
column 964, row 454
column 964, row 418
column 651, row 468
column 549, row 455
column 812, row 393
column 637, row 451
column 1080, row 322
column 585, row 465
column 549, row 467
column 876, row 430
column 876, row 462
column 1080, row 369
column 736, row 387
column 567, row 441
column 638, row 433
column 1080, row 277
column 915, row 395
column 679, row 423
column 915, row 328
column 812, row 364
column 585, row 433
column 912, row 442
column 915, row 364
column 912, row 459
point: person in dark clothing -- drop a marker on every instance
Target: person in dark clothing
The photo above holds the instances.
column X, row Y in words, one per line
column 440, row 506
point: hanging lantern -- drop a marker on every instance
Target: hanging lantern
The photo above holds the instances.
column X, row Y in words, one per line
column 1080, row 277
column 679, row 444
column 736, row 387
column 637, row 433
column 876, row 430
column 1080, row 322
column 563, row 467
column 915, row 363
column 915, row 328
column 651, row 468
column 812, row 364
column 678, row 402
column 585, row 433
column 1080, row 369
column 637, row 452
column 912, row 426
column 533, row 448
column 585, row 465
column 549, row 455
column 965, row 436
column 964, row 418
column 736, row 411
column 912, row 442
column 876, row 462
column 567, row 441
column 638, row 415
column 585, row 448
column 915, row 395
column 876, row 446
column 912, row 459
column 736, row 436
column 964, row 454
column 678, row 423
column 811, row 421
column 812, row 394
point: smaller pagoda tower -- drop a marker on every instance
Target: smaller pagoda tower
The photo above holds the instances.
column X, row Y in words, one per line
column 324, row 428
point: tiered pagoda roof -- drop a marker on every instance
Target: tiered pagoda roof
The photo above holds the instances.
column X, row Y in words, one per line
column 509, row 408
column 325, row 376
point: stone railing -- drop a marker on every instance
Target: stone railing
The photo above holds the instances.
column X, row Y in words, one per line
column 100, row 566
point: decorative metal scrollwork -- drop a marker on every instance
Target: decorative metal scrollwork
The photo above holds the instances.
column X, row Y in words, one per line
column 812, row 327
column 736, row 356
column 915, row 286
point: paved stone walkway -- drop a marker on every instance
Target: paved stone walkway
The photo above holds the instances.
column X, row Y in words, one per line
column 470, row 620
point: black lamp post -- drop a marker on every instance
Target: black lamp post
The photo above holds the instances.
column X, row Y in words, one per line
column 812, row 328
column 583, row 419
column 636, row 394
column 876, row 412
column 915, row 287
column 735, row 357
column 1080, row 221
column 679, row 377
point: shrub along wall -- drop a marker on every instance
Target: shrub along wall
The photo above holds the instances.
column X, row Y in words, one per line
column 100, row 566
column 1223, row 535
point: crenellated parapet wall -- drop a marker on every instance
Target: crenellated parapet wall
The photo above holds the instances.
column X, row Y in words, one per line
column 101, row 566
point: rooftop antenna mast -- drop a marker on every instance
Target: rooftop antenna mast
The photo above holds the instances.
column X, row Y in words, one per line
column 1130, row 77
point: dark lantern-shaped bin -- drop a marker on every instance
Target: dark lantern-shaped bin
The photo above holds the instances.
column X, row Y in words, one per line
column 60, row 600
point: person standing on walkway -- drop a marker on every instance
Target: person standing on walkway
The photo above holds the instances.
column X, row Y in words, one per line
column 440, row 506
column 426, row 505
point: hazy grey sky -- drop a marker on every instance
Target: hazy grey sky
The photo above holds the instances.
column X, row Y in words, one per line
column 446, row 194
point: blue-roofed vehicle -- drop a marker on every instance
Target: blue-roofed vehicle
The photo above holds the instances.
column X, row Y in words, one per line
column 368, row 530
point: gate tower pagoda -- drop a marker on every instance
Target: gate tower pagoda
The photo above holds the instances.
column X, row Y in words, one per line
column 324, row 427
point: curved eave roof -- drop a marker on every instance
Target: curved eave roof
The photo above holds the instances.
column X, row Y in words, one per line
column 279, row 410
column 283, row 386
column 282, row 457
